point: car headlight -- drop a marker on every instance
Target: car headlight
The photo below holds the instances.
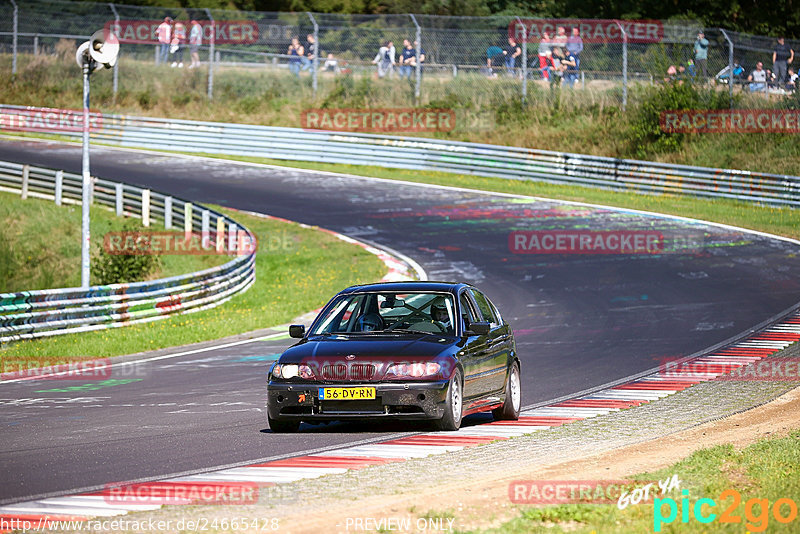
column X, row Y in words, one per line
column 291, row 370
column 413, row 370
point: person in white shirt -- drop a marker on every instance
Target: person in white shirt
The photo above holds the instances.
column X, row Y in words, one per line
column 758, row 78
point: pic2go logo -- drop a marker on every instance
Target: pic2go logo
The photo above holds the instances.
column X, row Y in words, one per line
column 783, row 511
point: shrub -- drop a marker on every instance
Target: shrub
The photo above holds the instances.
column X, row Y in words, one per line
column 120, row 268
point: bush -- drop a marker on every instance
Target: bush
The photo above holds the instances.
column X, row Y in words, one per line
column 120, row 268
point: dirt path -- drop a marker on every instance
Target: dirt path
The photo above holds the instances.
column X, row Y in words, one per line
column 486, row 503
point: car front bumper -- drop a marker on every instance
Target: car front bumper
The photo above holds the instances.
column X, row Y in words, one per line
column 400, row 400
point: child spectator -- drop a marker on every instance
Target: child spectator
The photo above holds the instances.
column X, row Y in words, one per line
column 331, row 64
column 791, row 84
column 177, row 44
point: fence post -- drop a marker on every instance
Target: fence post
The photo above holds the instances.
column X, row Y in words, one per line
column 220, row 241
column 187, row 219
column 167, row 213
column 59, row 187
column 232, row 233
column 204, row 229
column 145, row 207
column 730, row 66
column 524, row 60
column 116, row 63
column 416, row 59
column 316, row 54
column 36, row 45
column 14, row 38
column 211, row 55
column 119, row 198
column 26, row 172
column 624, row 65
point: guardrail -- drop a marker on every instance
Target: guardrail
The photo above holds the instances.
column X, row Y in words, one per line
column 417, row 153
column 30, row 314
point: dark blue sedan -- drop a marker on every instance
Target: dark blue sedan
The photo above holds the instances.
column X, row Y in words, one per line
column 401, row 350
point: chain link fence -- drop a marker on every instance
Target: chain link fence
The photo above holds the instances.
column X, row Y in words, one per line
column 405, row 59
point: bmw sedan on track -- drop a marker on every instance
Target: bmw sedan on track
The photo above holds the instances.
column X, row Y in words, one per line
column 400, row 350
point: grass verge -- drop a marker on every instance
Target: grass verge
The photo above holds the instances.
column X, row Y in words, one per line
column 297, row 269
column 760, row 475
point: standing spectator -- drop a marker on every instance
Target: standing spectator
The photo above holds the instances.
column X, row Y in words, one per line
column 701, row 54
column 297, row 52
column 544, row 48
column 560, row 40
column 195, row 40
column 177, row 44
column 575, row 46
column 511, row 53
column 407, row 57
column 311, row 52
column 164, row 33
column 782, row 57
column 758, row 78
column 385, row 59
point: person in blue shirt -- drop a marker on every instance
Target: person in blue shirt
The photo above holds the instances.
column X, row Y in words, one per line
column 701, row 54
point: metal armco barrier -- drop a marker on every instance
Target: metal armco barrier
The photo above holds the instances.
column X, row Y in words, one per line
column 419, row 153
column 31, row 314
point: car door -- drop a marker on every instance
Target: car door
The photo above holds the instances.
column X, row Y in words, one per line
column 473, row 354
column 498, row 345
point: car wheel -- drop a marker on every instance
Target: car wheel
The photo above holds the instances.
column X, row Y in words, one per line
column 453, row 406
column 509, row 411
column 283, row 425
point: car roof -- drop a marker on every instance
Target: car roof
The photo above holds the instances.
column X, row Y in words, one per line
column 404, row 287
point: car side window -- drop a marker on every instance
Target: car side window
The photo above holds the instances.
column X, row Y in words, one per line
column 484, row 307
column 466, row 310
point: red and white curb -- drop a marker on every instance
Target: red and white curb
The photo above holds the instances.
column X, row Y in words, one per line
column 642, row 390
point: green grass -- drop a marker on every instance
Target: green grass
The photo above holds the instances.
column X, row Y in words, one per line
column 780, row 221
column 40, row 244
column 297, row 269
column 764, row 470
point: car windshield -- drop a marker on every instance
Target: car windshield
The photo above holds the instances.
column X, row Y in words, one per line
column 388, row 312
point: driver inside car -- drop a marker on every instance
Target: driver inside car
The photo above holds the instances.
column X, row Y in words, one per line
column 439, row 315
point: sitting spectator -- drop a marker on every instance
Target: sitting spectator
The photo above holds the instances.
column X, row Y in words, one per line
column 331, row 64
column 494, row 58
column 511, row 53
column 791, row 84
column 672, row 74
column 385, row 59
column 570, row 64
column 758, row 78
column 297, row 52
column 407, row 59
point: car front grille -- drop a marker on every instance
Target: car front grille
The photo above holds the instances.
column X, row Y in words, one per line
column 341, row 372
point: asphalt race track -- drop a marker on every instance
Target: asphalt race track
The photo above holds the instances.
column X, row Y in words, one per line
column 581, row 320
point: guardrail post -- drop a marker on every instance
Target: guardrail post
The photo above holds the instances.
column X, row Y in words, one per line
column 220, row 245
column 157, row 54
column 26, row 171
column 730, row 66
column 167, row 213
column 119, row 199
column 145, row 207
column 624, row 65
column 232, row 232
column 36, row 45
column 116, row 63
column 316, row 54
column 418, row 67
column 59, row 192
column 14, row 38
column 211, row 55
column 187, row 220
column 204, row 229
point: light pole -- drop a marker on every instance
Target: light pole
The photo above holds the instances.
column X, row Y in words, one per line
column 101, row 49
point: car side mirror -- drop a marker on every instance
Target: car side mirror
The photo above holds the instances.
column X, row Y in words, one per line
column 480, row 327
column 297, row 330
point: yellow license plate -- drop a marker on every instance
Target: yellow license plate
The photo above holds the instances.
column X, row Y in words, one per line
column 360, row 393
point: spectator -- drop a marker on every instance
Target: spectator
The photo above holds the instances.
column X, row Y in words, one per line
column 570, row 64
column 782, row 57
column 297, row 52
column 575, row 46
column 701, row 54
column 511, row 53
column 495, row 56
column 791, row 85
column 385, row 59
column 407, row 56
column 164, row 33
column 544, row 62
column 331, row 64
column 177, row 44
column 560, row 40
column 672, row 74
column 758, row 78
column 195, row 40
column 557, row 67
column 311, row 52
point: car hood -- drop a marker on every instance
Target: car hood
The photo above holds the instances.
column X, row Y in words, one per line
column 370, row 347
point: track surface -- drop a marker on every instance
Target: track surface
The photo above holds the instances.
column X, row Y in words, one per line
column 580, row 320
